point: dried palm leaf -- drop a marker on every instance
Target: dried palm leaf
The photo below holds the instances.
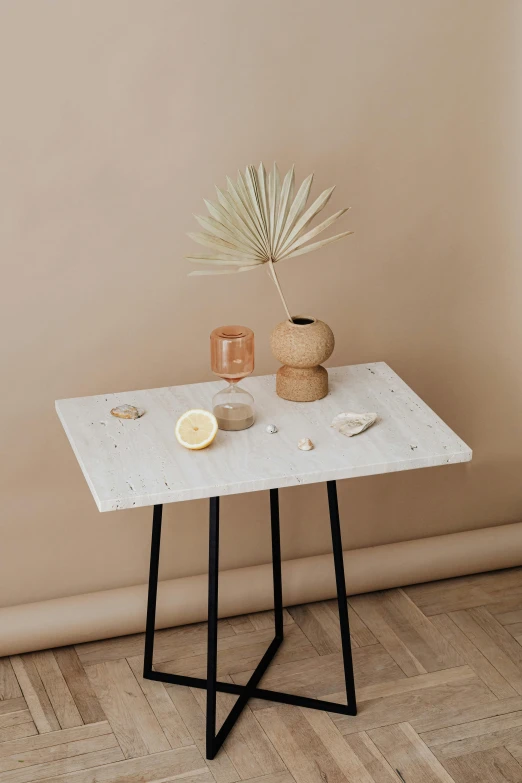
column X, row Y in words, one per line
column 258, row 221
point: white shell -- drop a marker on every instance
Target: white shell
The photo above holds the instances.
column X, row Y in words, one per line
column 127, row 412
column 271, row 428
column 305, row 444
column 353, row 423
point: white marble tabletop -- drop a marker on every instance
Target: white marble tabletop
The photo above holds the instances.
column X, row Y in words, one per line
column 131, row 463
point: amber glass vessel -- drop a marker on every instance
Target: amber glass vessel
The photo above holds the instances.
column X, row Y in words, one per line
column 232, row 358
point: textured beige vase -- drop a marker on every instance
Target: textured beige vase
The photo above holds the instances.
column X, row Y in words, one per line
column 301, row 346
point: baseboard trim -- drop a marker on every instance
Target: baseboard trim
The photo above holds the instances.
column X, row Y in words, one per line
column 120, row 612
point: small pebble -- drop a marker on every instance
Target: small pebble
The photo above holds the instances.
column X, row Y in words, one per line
column 271, row 428
column 127, row 412
column 305, row 444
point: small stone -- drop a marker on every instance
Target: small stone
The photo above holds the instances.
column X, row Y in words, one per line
column 350, row 424
column 127, row 412
column 305, row 444
column 271, row 428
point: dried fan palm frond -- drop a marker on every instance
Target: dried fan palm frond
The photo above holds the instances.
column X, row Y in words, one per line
column 257, row 221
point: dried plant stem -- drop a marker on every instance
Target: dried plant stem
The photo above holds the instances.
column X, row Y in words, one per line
column 276, row 281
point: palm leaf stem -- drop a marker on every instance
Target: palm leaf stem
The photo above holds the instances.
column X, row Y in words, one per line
column 280, row 292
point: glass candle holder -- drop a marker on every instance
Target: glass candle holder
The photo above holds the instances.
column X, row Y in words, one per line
column 232, row 358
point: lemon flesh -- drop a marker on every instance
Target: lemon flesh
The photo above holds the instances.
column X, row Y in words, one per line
column 196, row 429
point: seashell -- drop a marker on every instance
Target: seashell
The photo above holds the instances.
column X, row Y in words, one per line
column 353, row 423
column 305, row 444
column 127, row 412
column 271, row 428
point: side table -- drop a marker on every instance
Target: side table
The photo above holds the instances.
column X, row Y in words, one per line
column 132, row 463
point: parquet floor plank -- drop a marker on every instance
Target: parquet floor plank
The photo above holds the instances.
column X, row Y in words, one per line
column 78, row 683
column 408, row 755
column 241, row 624
column 248, row 747
column 410, row 638
column 490, row 766
column 221, row 767
column 264, row 621
column 162, row 706
column 472, row 655
column 374, row 762
column 34, row 693
column 320, row 626
column 359, row 631
column 80, row 759
column 56, row 752
column 9, row 688
column 438, row 672
column 242, row 652
column 311, row 747
column 128, row 711
column 186, row 640
column 57, row 689
column 27, row 729
column 500, row 635
column 12, row 705
column 495, row 732
column 184, row 764
column 489, row 646
column 501, row 591
column 50, row 739
column 323, row 676
column 452, row 693
column 440, row 718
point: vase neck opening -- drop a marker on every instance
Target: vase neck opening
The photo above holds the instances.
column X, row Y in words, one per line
column 303, row 320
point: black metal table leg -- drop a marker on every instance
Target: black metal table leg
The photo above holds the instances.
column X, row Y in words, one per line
column 337, row 547
column 213, row 740
column 213, row 572
column 153, row 589
column 250, row 689
column 276, row 563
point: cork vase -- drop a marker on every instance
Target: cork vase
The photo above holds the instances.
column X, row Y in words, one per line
column 301, row 345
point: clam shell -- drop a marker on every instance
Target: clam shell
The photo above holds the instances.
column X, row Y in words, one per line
column 127, row 412
column 353, row 423
column 305, row 444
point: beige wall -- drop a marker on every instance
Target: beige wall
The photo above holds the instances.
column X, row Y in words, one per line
column 117, row 118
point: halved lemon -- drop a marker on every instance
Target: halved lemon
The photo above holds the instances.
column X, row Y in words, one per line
column 196, row 429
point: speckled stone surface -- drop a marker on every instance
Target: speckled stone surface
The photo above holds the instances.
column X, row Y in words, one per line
column 302, row 384
column 131, row 463
column 301, row 348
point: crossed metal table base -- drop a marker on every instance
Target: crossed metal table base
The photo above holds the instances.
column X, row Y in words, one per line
column 250, row 690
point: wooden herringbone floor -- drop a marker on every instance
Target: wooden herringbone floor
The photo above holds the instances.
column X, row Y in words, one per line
column 438, row 669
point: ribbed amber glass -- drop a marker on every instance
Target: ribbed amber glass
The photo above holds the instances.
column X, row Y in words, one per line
column 232, row 352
